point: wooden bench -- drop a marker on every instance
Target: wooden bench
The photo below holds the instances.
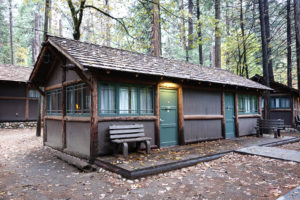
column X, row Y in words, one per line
column 297, row 120
column 124, row 134
column 275, row 125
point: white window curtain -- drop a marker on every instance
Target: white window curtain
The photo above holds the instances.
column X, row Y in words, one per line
column 146, row 100
column 107, row 99
column 277, row 105
column 128, row 100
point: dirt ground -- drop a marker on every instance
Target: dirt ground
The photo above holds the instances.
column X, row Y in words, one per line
column 30, row 171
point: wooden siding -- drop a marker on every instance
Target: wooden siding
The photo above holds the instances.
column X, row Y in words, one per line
column 197, row 102
column 78, row 137
column 54, row 132
column 285, row 115
column 246, row 126
column 56, row 76
column 197, row 130
column 12, row 110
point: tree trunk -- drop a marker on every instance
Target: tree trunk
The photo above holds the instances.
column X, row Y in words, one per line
column 107, row 25
column 11, row 34
column 265, row 58
column 227, row 20
column 297, row 27
column 183, row 37
column 190, row 22
column 289, row 42
column 268, row 36
column 217, row 35
column 199, row 34
column 47, row 4
column 155, row 37
column 245, row 65
column 37, row 41
column 60, row 28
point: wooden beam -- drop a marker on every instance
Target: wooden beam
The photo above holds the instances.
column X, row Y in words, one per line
column 17, row 98
column 84, row 78
column 94, row 120
column 223, row 114
column 26, row 103
column 66, row 83
column 202, row 117
column 250, row 116
column 58, row 118
column 44, row 120
column 180, row 116
column 157, row 121
column 77, row 119
column 63, row 92
column 236, row 114
column 127, row 118
column 281, row 110
column 292, row 109
column 259, row 106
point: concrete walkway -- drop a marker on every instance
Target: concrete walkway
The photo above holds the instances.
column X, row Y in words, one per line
column 272, row 152
column 292, row 195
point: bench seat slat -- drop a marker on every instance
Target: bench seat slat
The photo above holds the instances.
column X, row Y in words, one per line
column 120, row 131
column 140, row 139
column 113, row 127
column 127, row 136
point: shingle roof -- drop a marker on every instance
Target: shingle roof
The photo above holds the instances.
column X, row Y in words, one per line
column 14, row 73
column 92, row 55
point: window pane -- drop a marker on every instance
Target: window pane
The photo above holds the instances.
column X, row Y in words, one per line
column 107, row 99
column 59, row 102
column 78, row 98
column 48, row 104
column 146, row 100
column 277, row 103
column 33, row 93
column 86, row 100
column 128, row 100
column 53, row 102
column 70, row 103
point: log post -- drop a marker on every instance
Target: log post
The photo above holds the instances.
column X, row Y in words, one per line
column 180, row 117
column 44, row 119
column 236, row 113
column 223, row 113
column 94, row 120
column 27, row 103
column 63, row 107
column 259, row 106
column 157, row 121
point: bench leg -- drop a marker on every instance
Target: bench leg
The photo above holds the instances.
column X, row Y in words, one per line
column 257, row 133
column 147, row 143
column 278, row 133
column 275, row 133
column 138, row 145
column 116, row 148
column 125, row 149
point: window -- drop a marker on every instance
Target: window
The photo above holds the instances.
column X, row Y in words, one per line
column 78, row 100
column 54, row 102
column 33, row 93
column 248, row 104
column 118, row 99
column 280, row 102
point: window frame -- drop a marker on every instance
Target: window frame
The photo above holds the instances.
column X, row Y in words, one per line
column 72, row 89
column 117, row 87
column 280, row 98
column 252, row 100
column 56, row 91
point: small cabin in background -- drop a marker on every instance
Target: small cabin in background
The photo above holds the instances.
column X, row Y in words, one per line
column 90, row 87
column 285, row 101
column 18, row 102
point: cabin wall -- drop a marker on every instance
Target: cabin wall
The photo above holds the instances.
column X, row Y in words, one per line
column 12, row 89
column 247, row 126
column 12, row 110
column 33, row 109
column 285, row 115
column 197, row 102
column 104, row 145
column 56, row 76
column 78, row 137
column 54, row 133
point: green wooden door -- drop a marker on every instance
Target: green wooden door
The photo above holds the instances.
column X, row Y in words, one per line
column 229, row 116
column 168, row 117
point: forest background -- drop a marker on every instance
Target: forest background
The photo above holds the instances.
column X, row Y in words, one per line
column 226, row 34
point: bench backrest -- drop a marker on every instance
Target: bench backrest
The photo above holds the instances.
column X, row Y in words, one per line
column 270, row 123
column 297, row 118
column 126, row 131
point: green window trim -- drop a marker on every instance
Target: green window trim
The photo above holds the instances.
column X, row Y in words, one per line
column 247, row 104
column 116, row 111
column 50, row 101
column 83, row 108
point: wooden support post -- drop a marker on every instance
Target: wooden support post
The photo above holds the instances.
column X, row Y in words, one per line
column 44, row 119
column 63, row 94
column 236, row 114
column 94, row 120
column 157, row 121
column 259, row 106
column 27, row 103
column 223, row 113
column 180, row 117
column 292, row 110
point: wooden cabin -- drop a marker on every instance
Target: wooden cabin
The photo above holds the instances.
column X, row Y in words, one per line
column 90, row 87
column 285, row 101
column 18, row 101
